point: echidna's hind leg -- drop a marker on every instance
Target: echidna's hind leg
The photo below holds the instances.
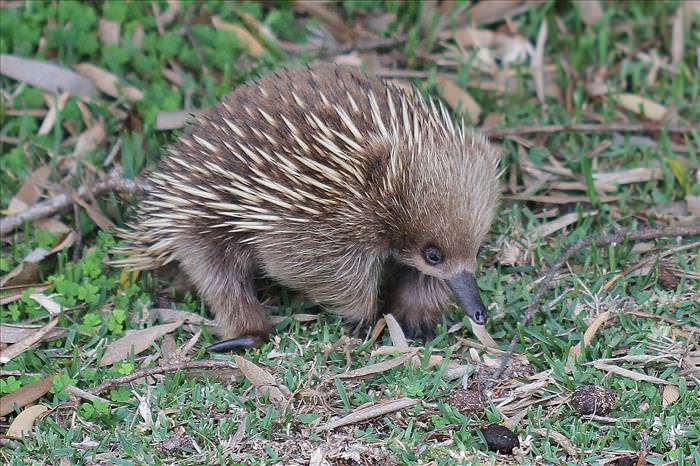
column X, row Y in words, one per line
column 223, row 275
column 416, row 300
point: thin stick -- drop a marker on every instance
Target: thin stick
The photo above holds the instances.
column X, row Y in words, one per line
column 110, row 182
column 366, row 46
column 588, row 128
column 648, row 261
column 615, row 238
column 173, row 367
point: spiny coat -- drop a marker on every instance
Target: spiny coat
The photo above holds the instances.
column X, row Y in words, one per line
column 362, row 195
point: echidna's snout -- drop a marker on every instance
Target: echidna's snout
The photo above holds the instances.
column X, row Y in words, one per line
column 466, row 291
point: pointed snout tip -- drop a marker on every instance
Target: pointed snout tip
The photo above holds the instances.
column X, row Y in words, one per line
column 466, row 291
column 479, row 316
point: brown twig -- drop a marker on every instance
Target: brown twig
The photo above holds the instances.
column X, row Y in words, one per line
column 149, row 371
column 111, row 182
column 615, row 238
column 648, row 261
column 588, row 128
column 363, row 46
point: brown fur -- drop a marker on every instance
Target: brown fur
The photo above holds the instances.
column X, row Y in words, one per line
column 316, row 205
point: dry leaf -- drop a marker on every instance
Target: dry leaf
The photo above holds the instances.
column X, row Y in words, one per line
column 46, row 76
column 77, row 392
column 379, row 367
column 138, row 36
column 173, row 76
column 240, row 432
column 693, row 204
column 493, row 119
column 25, row 395
column 89, row 139
column 47, row 303
column 26, row 271
column 435, row 360
column 256, row 25
column 30, row 191
column 12, row 351
column 251, row 44
column 12, row 333
column 169, row 15
column 167, row 120
column 538, row 62
column 53, row 226
column 561, row 439
column 590, row 332
column 389, row 350
column 546, row 229
column 24, row 422
column 458, row 98
column 263, row 381
column 174, row 315
column 495, row 50
column 559, row 198
column 591, row 11
column 109, row 31
column 642, row 106
column 318, row 457
column 677, row 36
column 638, row 376
column 55, row 105
column 395, row 331
column 593, row 328
column 336, row 25
column 371, row 412
column 632, row 175
column 140, row 340
column 670, row 395
column 377, row 329
column 108, row 82
column 493, row 12
column 513, row 421
column 483, row 336
column 144, row 409
column 94, row 213
column 491, row 362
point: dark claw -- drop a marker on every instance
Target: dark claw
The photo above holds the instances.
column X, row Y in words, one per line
column 238, row 343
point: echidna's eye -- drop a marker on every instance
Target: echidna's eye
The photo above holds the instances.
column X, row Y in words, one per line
column 432, row 255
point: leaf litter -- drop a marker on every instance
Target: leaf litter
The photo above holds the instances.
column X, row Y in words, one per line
column 136, row 341
column 499, row 47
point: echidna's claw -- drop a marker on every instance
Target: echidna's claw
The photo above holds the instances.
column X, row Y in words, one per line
column 238, row 343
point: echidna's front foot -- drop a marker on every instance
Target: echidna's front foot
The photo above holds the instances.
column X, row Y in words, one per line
column 424, row 330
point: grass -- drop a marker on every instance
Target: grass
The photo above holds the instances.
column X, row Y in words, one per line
column 195, row 416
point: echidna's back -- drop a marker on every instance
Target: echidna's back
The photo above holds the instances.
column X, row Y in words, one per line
column 288, row 147
column 288, row 113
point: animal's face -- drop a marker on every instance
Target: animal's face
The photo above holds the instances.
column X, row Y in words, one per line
column 447, row 199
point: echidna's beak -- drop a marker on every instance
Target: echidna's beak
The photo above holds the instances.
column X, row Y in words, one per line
column 466, row 291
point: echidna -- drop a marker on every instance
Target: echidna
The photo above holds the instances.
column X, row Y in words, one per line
column 364, row 196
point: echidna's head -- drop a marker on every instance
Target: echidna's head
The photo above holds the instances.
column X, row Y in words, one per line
column 444, row 195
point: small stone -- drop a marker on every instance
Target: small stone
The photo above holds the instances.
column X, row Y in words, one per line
column 667, row 279
column 500, row 439
column 593, row 399
column 627, row 461
column 466, row 401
